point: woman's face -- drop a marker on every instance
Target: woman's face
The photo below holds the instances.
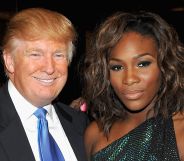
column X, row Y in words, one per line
column 134, row 72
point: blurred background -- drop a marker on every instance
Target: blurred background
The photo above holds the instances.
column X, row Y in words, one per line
column 86, row 16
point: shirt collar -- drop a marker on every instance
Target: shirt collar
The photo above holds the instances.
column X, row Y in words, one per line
column 24, row 109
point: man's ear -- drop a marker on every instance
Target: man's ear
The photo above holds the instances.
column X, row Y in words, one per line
column 8, row 61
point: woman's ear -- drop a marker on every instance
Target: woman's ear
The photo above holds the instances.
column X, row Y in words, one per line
column 8, row 61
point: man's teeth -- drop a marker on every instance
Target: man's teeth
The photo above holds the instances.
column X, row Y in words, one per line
column 46, row 80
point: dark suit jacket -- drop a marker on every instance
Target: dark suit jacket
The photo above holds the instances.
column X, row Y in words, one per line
column 14, row 145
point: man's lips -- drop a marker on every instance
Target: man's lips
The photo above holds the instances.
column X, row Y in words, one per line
column 45, row 80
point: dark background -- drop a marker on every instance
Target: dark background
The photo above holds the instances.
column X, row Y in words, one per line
column 86, row 15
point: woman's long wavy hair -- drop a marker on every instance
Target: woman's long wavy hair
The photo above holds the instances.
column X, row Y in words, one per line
column 103, row 104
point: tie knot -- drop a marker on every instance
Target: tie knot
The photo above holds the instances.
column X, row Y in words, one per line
column 40, row 113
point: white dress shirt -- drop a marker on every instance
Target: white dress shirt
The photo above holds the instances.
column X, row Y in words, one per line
column 25, row 111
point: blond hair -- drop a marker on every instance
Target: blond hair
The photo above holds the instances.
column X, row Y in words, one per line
column 36, row 23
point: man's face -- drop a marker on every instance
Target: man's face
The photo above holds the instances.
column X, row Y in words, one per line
column 38, row 69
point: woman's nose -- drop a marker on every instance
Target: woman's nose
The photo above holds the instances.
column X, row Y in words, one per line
column 130, row 77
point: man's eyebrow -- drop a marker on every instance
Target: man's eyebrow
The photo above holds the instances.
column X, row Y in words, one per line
column 33, row 49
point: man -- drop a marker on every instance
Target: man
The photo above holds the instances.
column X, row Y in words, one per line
column 37, row 49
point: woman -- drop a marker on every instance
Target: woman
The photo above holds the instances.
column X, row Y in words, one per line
column 134, row 88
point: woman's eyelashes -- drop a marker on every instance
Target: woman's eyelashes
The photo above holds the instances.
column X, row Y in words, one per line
column 144, row 63
column 118, row 67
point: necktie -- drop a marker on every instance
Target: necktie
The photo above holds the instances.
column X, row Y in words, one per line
column 48, row 148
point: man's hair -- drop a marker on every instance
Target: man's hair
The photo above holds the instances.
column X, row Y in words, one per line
column 36, row 23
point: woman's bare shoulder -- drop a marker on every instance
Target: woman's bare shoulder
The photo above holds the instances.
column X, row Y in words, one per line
column 92, row 131
column 178, row 120
column 91, row 137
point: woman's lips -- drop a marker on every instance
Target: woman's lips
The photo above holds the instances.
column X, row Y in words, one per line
column 132, row 95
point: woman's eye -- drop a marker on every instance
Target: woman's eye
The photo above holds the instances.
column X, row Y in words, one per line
column 116, row 67
column 144, row 64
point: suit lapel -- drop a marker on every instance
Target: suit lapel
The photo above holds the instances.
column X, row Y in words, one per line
column 15, row 142
column 72, row 129
column 13, row 138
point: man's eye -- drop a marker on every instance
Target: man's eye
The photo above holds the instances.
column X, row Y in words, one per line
column 35, row 54
column 144, row 64
column 60, row 55
column 116, row 67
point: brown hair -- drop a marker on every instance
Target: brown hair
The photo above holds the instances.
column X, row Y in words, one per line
column 103, row 103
